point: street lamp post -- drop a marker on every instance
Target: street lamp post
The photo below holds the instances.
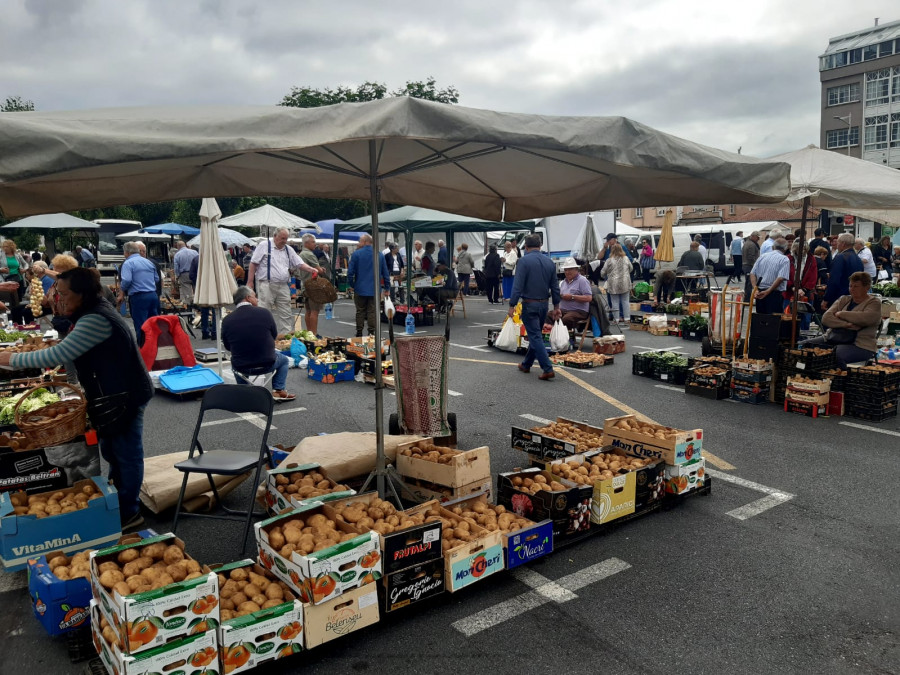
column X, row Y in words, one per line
column 848, row 120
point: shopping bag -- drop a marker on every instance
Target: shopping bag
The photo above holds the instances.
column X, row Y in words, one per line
column 298, row 351
column 388, row 308
column 559, row 337
column 508, row 337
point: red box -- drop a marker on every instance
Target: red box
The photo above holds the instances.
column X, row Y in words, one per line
column 836, row 404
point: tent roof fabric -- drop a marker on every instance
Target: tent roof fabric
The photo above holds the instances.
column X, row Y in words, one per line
column 481, row 163
column 266, row 216
column 417, row 219
column 53, row 221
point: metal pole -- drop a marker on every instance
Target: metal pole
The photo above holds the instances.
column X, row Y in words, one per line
column 380, row 462
column 798, row 273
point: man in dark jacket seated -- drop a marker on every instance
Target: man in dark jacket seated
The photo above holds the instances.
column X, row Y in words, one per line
column 249, row 334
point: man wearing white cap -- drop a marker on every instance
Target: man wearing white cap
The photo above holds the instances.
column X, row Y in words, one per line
column 575, row 295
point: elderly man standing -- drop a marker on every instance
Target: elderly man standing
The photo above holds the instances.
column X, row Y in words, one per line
column 465, row 265
column 270, row 277
column 575, row 295
column 443, row 257
column 844, row 263
column 184, row 255
column 769, row 277
column 361, row 275
column 534, row 285
column 139, row 278
column 749, row 256
column 418, row 252
column 866, row 257
column 308, row 255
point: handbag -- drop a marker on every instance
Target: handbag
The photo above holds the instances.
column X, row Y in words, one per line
column 507, row 273
column 840, row 336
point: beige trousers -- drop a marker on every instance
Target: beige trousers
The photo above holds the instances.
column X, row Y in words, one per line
column 276, row 297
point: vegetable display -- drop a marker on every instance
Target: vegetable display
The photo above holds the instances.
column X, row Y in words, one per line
column 693, row 322
column 38, row 399
column 53, row 504
column 306, row 484
column 583, row 440
column 37, row 296
column 430, row 452
column 599, row 467
column 13, row 335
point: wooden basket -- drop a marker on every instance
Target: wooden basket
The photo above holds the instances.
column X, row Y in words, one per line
column 68, row 423
column 320, row 290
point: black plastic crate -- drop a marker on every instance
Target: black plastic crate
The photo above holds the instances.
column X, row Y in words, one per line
column 641, row 365
column 805, row 360
column 870, row 416
column 715, row 393
column 866, row 394
column 676, row 374
column 861, row 376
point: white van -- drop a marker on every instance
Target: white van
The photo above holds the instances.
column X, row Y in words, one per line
column 717, row 238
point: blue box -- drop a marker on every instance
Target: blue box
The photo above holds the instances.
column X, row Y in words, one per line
column 528, row 544
column 181, row 379
column 341, row 371
column 24, row 537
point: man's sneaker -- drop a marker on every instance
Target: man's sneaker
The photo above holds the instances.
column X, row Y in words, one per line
column 134, row 522
column 280, row 396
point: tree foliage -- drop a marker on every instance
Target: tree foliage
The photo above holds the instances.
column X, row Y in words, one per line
column 16, row 104
column 310, row 97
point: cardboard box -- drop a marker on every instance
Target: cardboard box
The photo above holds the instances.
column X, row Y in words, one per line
column 402, row 548
column 340, row 371
column 751, row 376
column 749, row 393
column 23, row 537
column 808, row 409
column 836, row 404
column 611, row 498
column 685, row 446
column 569, row 511
column 806, row 396
column 812, row 386
column 527, row 441
column 683, row 478
column 279, row 500
column 753, row 365
column 339, row 616
column 423, row 491
column 474, row 561
column 169, row 613
column 464, row 468
column 249, row 641
column 413, row 584
column 551, row 448
column 191, row 654
column 325, row 574
column 51, row 468
column 365, row 346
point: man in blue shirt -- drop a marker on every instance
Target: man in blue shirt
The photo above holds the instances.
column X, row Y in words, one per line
column 737, row 257
column 443, row 255
column 360, row 275
column 535, row 283
column 769, row 277
column 84, row 257
column 139, row 277
column 844, row 263
column 182, row 264
column 611, row 240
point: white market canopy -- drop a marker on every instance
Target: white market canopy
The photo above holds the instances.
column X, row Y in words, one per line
column 137, row 234
column 226, row 236
column 53, row 221
column 268, row 217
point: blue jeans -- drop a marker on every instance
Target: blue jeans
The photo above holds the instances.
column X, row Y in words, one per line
column 207, row 326
column 279, row 381
column 464, row 282
column 143, row 306
column 124, row 452
column 507, row 287
column 533, row 316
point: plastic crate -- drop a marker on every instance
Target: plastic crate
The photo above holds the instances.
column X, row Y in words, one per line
column 805, row 360
column 870, row 416
column 715, row 393
column 675, row 374
column 745, row 394
column 861, row 375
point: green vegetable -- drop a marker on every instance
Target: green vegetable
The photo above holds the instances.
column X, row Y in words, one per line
column 13, row 335
column 38, row 399
column 887, row 288
column 693, row 322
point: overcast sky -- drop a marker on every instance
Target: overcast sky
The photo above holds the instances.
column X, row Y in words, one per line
column 726, row 74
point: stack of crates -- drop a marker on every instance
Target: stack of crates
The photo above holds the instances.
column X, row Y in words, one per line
column 751, row 381
column 872, row 392
column 809, row 362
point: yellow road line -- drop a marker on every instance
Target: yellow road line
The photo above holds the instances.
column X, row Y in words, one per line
column 717, row 462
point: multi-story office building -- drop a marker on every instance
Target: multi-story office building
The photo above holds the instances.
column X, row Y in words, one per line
column 860, row 75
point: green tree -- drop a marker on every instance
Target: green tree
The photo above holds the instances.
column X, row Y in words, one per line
column 16, row 104
column 428, row 90
column 26, row 239
column 309, row 97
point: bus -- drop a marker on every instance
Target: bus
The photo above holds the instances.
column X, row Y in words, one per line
column 109, row 249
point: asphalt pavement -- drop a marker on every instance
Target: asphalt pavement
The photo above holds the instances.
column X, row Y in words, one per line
column 789, row 566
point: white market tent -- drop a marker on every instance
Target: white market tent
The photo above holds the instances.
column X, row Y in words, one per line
column 268, row 218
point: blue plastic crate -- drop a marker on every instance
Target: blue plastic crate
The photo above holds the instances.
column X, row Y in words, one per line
column 181, row 379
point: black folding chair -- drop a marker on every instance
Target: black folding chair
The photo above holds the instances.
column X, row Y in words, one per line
column 237, row 399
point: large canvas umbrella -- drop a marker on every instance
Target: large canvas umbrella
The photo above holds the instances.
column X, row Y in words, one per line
column 267, row 218
column 481, row 163
column 215, row 282
column 52, row 221
column 831, row 180
column 225, row 236
column 665, row 247
column 172, row 229
column 587, row 243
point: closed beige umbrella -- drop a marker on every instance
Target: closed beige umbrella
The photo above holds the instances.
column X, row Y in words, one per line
column 215, row 282
column 665, row 250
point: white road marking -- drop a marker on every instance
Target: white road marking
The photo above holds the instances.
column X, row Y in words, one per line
column 483, row 325
column 670, row 387
column 13, row 581
column 535, row 418
column 252, row 418
column 544, row 591
column 868, row 428
column 773, row 497
column 289, row 410
column 346, row 323
column 454, row 393
column 475, row 349
column 657, row 349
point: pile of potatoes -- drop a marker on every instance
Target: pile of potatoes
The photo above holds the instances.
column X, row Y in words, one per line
column 583, row 440
column 76, row 567
column 647, row 429
column 136, row 570
column 244, row 591
column 110, row 635
column 377, row 515
column 491, row 517
column 600, row 467
column 537, row 484
column 305, row 534
column 17, row 441
column 430, row 452
column 54, row 504
column 456, row 530
column 306, row 484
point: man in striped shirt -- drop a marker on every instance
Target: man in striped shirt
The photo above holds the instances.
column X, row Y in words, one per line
column 769, row 277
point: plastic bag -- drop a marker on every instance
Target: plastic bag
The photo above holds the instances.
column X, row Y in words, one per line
column 298, row 351
column 559, row 337
column 388, row 308
column 508, row 337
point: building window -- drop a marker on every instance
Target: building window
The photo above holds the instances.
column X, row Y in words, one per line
column 617, row 214
column 639, row 213
column 895, row 130
column 845, row 93
column 732, row 209
column 886, row 48
column 878, row 84
column 876, row 132
column 837, row 138
column 895, row 85
column 661, row 213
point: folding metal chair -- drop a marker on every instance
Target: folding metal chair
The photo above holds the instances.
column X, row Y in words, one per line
column 237, row 399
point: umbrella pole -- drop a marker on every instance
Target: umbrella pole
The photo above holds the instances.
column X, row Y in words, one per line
column 380, row 461
column 409, row 266
column 218, row 311
column 798, row 273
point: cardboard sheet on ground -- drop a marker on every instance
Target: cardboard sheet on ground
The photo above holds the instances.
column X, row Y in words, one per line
column 344, row 455
column 162, row 483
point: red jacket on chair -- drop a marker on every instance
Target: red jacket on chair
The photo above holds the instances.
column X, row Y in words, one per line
column 165, row 344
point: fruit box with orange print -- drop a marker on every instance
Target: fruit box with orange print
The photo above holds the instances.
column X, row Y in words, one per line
column 340, row 616
column 681, row 449
column 401, row 548
column 569, row 511
column 464, row 468
column 324, row 574
column 192, row 654
column 152, row 618
column 685, row 477
column 329, row 373
column 279, row 500
column 25, row 536
column 274, row 633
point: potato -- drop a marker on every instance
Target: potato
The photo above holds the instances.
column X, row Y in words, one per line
column 137, row 583
column 248, row 607
column 226, row 603
column 155, row 551
column 151, row 574
column 62, row 572
column 58, row 561
column 172, row 555
column 274, row 592
column 259, row 599
column 259, row 581
column 239, row 574
column 132, row 568
column 268, row 604
column 177, row 572
column 226, row 614
column 163, row 580
column 239, row 599
column 122, row 588
column 276, row 539
column 128, row 555
column 193, row 575
column 110, row 578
